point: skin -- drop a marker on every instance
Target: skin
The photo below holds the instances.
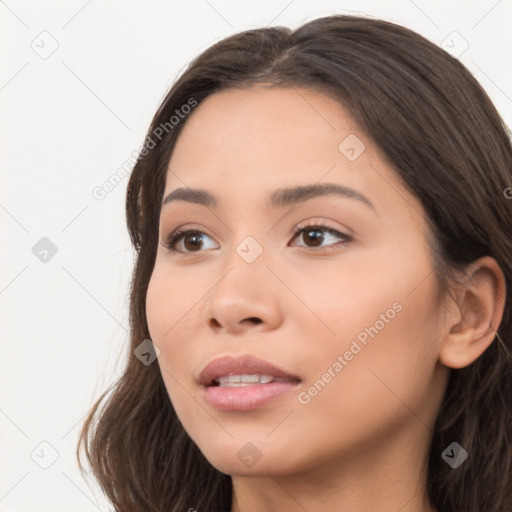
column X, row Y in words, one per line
column 360, row 443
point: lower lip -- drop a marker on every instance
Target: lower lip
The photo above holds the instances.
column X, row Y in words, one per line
column 246, row 398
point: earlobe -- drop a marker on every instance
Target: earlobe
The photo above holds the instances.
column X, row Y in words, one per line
column 471, row 327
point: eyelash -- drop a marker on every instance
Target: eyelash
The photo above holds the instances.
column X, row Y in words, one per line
column 174, row 237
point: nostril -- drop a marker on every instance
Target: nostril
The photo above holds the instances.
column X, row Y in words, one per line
column 255, row 320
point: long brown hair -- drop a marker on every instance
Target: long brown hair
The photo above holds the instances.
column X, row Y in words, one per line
column 450, row 148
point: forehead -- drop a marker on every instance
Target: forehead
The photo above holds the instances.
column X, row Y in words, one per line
column 244, row 144
column 262, row 132
column 241, row 112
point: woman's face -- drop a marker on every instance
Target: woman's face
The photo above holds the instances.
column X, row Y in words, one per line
column 353, row 312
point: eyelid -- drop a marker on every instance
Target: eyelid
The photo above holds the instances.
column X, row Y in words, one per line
column 321, row 225
column 344, row 234
column 322, row 221
column 177, row 233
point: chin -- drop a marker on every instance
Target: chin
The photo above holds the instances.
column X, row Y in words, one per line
column 246, row 459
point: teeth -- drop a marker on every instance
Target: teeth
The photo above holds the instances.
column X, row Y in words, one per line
column 245, row 380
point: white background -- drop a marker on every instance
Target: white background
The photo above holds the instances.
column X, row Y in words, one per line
column 69, row 121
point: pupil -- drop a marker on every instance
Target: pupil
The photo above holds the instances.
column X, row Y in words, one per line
column 195, row 244
column 317, row 240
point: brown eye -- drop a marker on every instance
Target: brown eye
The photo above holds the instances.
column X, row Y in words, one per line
column 314, row 236
column 191, row 239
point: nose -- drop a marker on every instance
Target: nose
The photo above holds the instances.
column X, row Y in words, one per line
column 245, row 300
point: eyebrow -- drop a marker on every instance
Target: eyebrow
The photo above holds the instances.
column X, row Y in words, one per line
column 280, row 198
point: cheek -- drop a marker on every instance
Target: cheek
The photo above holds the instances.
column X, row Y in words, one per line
column 381, row 312
column 387, row 340
column 171, row 312
column 340, row 299
column 158, row 307
column 171, row 300
column 387, row 383
column 163, row 317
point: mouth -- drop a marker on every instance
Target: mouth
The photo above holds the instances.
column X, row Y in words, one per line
column 243, row 370
column 237, row 381
column 244, row 383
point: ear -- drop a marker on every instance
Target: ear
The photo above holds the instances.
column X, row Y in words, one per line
column 472, row 324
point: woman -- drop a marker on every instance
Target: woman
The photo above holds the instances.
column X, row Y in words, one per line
column 324, row 248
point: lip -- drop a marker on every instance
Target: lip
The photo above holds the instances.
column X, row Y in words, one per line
column 244, row 398
column 228, row 365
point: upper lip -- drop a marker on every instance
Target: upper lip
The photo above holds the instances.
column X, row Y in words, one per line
column 228, row 365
